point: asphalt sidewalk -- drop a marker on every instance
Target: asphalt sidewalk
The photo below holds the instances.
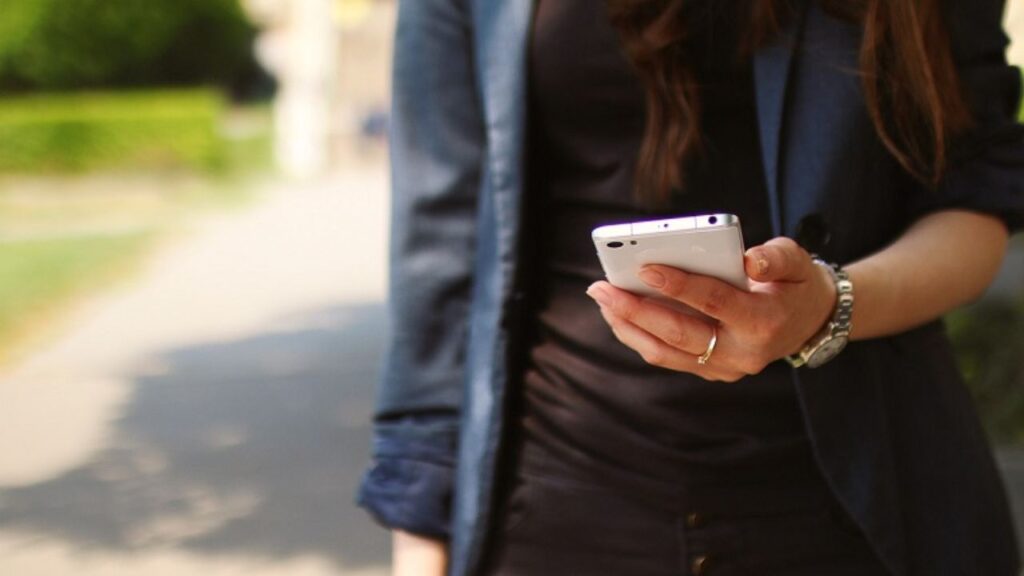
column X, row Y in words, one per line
column 210, row 415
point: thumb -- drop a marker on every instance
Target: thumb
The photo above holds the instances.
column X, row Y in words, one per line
column 778, row 260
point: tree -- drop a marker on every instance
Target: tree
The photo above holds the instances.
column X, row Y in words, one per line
column 76, row 44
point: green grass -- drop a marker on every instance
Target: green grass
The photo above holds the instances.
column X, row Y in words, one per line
column 37, row 276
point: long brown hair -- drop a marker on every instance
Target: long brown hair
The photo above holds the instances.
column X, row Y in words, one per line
column 909, row 80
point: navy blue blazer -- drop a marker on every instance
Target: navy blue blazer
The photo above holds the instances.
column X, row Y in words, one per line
column 892, row 426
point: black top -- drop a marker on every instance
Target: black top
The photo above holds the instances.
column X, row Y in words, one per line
column 590, row 402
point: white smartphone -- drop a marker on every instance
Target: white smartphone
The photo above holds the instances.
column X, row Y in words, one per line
column 708, row 244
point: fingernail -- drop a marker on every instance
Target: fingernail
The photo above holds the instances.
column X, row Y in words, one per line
column 599, row 294
column 652, row 278
column 762, row 266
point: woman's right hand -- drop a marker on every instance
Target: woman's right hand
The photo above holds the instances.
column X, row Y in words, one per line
column 414, row 555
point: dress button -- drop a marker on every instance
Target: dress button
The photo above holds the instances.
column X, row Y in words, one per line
column 694, row 520
column 700, row 565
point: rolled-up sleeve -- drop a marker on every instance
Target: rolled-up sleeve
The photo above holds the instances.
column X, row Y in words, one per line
column 986, row 172
column 409, row 485
column 436, row 145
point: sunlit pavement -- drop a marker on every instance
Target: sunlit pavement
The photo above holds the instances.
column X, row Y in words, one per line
column 211, row 415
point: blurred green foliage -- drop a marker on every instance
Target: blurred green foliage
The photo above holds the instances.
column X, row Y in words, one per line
column 36, row 274
column 137, row 130
column 77, row 44
column 64, row 235
column 988, row 338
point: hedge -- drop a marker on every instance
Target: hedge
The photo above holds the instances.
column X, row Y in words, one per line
column 145, row 130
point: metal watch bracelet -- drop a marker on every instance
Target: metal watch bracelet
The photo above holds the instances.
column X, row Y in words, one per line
column 831, row 339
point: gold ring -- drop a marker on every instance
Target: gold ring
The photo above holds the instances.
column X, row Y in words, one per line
column 703, row 358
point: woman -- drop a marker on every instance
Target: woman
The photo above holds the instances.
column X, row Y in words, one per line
column 522, row 429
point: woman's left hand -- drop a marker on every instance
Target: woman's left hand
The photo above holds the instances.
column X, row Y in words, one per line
column 790, row 299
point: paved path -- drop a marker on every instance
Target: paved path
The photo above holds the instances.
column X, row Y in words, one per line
column 210, row 416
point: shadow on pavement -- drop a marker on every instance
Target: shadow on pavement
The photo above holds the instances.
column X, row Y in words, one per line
column 248, row 447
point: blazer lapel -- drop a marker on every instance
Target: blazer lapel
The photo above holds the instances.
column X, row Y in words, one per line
column 772, row 64
column 500, row 30
column 801, row 103
column 501, row 33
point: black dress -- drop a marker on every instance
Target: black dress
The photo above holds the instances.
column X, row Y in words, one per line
column 622, row 467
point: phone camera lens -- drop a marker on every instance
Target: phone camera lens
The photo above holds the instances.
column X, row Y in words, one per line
column 713, row 220
column 632, row 242
column 615, row 244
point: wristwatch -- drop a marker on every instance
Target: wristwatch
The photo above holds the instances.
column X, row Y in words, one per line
column 830, row 340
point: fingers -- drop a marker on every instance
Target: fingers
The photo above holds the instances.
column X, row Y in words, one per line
column 682, row 332
column 663, row 337
column 651, row 349
column 715, row 298
column 757, row 326
column 778, row 260
column 656, row 352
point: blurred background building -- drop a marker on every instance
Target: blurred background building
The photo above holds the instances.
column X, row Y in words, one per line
column 299, row 45
column 329, row 58
column 1015, row 26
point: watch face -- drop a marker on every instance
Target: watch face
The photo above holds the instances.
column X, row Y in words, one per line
column 826, row 351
